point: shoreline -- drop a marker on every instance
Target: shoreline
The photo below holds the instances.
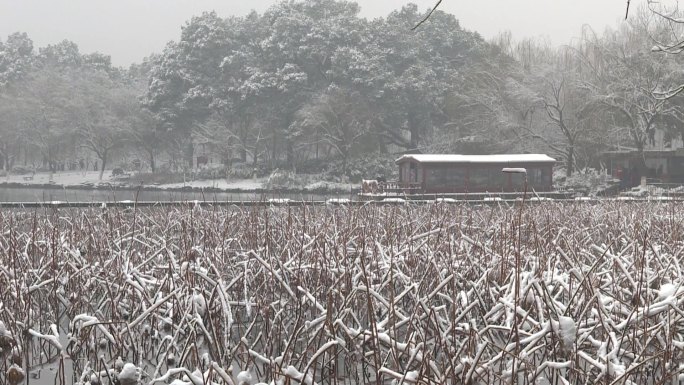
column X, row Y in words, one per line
column 127, row 187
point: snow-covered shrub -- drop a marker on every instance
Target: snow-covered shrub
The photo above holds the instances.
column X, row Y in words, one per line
column 368, row 166
column 285, row 179
column 214, row 172
column 21, row 170
column 589, row 182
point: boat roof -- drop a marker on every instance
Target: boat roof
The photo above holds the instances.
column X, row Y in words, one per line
column 457, row 158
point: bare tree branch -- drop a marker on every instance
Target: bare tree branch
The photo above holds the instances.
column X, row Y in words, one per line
column 427, row 17
column 627, row 12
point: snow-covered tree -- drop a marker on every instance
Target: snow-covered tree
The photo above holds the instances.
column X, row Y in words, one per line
column 626, row 83
column 45, row 100
column 17, row 60
column 103, row 113
column 336, row 118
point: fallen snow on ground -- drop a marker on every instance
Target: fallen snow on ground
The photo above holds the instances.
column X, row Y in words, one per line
column 337, row 201
column 330, row 186
column 80, row 178
column 65, row 178
column 222, row 184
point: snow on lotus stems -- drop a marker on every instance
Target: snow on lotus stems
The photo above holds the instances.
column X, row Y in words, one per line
column 341, row 294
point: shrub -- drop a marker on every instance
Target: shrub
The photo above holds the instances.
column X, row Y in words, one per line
column 247, row 170
column 211, row 173
column 368, row 166
column 316, row 166
column 590, row 181
column 285, row 179
column 21, row 170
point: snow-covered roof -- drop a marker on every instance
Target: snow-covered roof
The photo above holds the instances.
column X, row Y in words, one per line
column 456, row 158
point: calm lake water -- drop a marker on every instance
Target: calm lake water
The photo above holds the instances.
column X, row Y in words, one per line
column 73, row 195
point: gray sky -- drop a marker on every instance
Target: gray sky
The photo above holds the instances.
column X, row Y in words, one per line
column 129, row 30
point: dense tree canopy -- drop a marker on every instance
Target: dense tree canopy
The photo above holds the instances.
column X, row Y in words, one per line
column 258, row 75
column 59, row 106
column 312, row 80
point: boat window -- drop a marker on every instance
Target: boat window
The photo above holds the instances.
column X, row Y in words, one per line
column 487, row 178
column 478, row 178
column 446, row 177
column 518, row 181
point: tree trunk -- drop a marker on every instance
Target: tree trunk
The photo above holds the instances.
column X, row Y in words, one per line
column 641, row 159
column 345, row 165
column 103, row 158
column 51, row 165
column 414, row 129
column 5, row 157
column 290, row 155
column 190, row 153
column 243, row 155
column 570, row 164
column 152, row 164
column 274, row 145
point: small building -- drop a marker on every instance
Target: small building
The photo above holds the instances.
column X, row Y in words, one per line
column 205, row 154
column 660, row 161
column 659, row 166
column 444, row 173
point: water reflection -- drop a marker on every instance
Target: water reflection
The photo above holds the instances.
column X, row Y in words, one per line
column 75, row 195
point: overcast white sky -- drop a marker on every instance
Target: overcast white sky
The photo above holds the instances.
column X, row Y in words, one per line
column 129, row 30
